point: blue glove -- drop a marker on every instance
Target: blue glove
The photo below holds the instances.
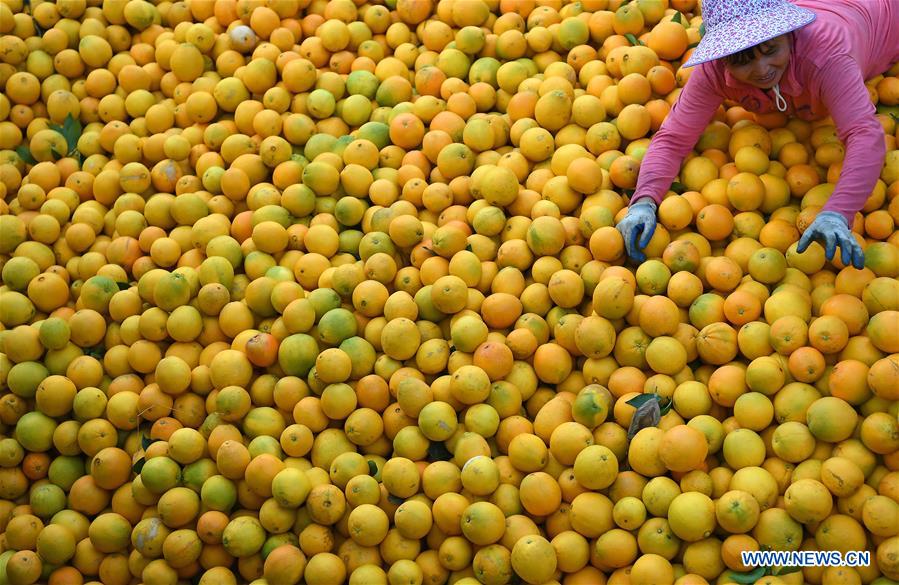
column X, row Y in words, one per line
column 637, row 227
column 831, row 229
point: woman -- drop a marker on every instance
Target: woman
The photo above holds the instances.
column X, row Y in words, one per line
column 806, row 58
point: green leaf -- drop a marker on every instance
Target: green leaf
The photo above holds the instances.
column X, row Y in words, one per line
column 894, row 117
column 395, row 500
column 97, row 351
column 71, row 130
column 702, row 30
column 692, row 45
column 123, row 285
column 71, row 122
column 787, row 570
column 25, row 155
column 678, row 187
column 138, row 465
column 632, row 39
column 437, row 451
column 146, row 441
column 56, row 154
column 750, row 577
column 676, row 18
column 665, row 406
column 372, row 468
column 640, row 400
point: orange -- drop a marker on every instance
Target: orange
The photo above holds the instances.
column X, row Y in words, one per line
column 483, row 523
column 741, row 307
column 613, row 298
column 717, row 343
column 681, row 256
column 668, row 40
column 540, row 493
column 683, row 448
column 534, row 559
column 692, row 516
column 745, row 191
column 659, row 316
column 284, row 564
column 882, row 377
column 743, row 448
column 806, row 364
column 666, row 355
column 883, row 337
column 831, row 419
column 737, row 511
column 595, row 467
column 808, row 501
column 110, row 467
column 715, row 222
column 643, row 452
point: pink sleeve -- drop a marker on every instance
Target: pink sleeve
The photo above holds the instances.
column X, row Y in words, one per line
column 844, row 93
column 694, row 109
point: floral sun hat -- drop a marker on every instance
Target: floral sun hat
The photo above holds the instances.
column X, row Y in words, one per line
column 734, row 25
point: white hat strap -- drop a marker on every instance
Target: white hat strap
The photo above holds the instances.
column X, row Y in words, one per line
column 779, row 100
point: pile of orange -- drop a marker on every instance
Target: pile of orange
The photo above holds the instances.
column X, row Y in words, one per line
column 330, row 291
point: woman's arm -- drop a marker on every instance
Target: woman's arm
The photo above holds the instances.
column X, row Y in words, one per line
column 694, row 109
column 843, row 91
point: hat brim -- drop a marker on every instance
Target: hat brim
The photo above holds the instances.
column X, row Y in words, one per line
column 742, row 33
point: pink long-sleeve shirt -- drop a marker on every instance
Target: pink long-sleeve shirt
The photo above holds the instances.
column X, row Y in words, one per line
column 849, row 41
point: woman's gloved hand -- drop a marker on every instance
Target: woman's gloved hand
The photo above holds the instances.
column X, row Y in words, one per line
column 637, row 227
column 831, row 230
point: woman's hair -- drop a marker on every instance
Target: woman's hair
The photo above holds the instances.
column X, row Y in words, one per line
column 741, row 58
column 745, row 56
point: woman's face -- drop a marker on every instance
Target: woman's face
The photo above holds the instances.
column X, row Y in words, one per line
column 768, row 63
